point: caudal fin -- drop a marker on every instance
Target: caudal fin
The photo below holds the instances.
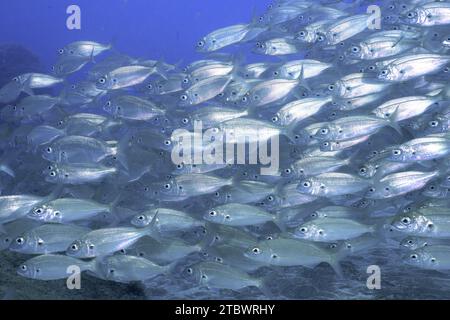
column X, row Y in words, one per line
column 392, row 122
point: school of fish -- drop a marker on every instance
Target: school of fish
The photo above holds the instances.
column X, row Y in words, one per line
column 359, row 103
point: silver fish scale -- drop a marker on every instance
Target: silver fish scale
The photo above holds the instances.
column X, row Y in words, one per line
column 346, row 162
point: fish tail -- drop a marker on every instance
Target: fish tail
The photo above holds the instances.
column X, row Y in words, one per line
column 160, row 70
column 302, row 81
column 171, row 267
column 113, row 214
column 352, row 157
column 7, row 169
column 334, row 262
column 205, row 242
column 91, row 265
column 151, row 229
column 279, row 222
column 265, row 288
column 55, row 193
column 26, row 87
column 392, row 122
column 120, row 150
column 289, row 132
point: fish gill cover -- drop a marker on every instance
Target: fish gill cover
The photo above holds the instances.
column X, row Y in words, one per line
column 318, row 170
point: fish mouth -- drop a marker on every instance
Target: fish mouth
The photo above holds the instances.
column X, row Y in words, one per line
column 398, row 226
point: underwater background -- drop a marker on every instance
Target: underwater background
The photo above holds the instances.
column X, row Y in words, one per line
column 167, row 30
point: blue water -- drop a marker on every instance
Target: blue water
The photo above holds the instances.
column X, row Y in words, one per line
column 168, row 30
column 155, row 29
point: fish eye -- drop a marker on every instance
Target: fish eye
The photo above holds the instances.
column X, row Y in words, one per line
column 326, row 144
column 406, row 220
column 185, row 80
column 302, row 33
column 24, row 267
column 185, row 120
column 52, row 173
column 434, row 123
column 410, row 242
column 101, row 80
column 303, row 229
column 184, row 97
column 201, row 43
column 167, row 186
column 397, row 152
column 20, row 241
column 331, row 87
column 362, row 170
column 306, row 184
column 38, row 211
column 150, row 86
column 355, row 49
column 287, row 171
column 74, row 247
column 49, row 150
column 384, row 72
column 320, row 38
column 167, row 142
column 256, row 250
column 141, row 218
column 61, row 51
column 228, row 217
column 180, row 166
column 372, row 190
column 189, row 270
column 410, row 14
column 108, row 104
column 213, row 213
column 16, row 79
column 275, row 119
column 91, row 246
column 324, row 131
column 413, row 256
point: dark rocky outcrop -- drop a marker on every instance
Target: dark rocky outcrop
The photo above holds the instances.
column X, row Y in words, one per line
column 15, row 60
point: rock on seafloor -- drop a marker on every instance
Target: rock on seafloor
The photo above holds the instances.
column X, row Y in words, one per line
column 13, row 286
